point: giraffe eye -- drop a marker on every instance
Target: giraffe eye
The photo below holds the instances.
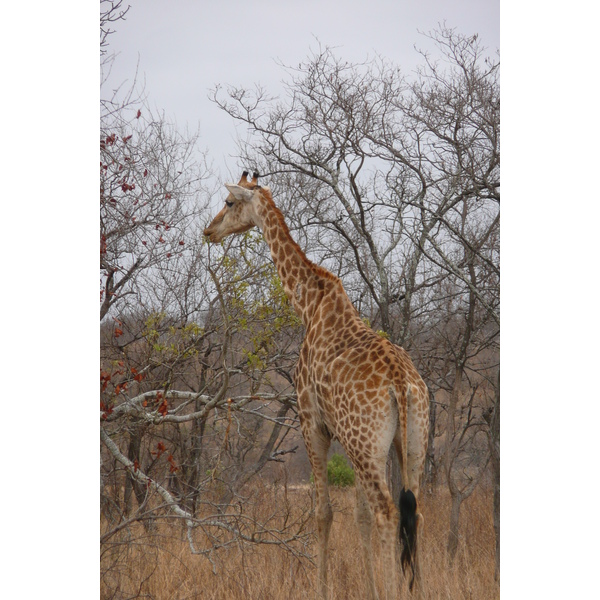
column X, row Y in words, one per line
column 229, row 204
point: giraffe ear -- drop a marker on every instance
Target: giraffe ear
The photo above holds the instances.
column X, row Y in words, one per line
column 239, row 192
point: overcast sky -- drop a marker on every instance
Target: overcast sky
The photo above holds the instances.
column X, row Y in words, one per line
column 182, row 49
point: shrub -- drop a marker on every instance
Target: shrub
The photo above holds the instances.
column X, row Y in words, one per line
column 339, row 472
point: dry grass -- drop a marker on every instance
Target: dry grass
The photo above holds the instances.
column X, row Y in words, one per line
column 160, row 565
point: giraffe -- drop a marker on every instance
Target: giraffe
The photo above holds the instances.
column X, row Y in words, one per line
column 352, row 385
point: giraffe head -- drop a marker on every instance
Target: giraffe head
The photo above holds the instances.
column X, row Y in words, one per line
column 238, row 214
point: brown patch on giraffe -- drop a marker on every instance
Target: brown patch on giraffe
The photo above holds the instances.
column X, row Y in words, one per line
column 330, row 321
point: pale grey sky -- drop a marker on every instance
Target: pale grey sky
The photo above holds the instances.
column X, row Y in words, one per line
column 185, row 48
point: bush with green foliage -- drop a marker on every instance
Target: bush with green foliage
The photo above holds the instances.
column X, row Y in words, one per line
column 339, row 472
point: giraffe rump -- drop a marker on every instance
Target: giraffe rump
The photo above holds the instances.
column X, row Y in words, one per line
column 408, row 531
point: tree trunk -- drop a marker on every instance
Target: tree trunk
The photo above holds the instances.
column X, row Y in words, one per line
column 250, row 471
column 497, row 522
column 198, row 470
column 133, row 454
column 430, row 469
column 457, row 500
column 452, row 448
column 494, row 440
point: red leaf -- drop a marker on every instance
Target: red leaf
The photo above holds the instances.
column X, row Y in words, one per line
column 139, row 114
column 136, row 376
column 181, row 243
column 173, row 466
column 160, row 448
column 163, row 409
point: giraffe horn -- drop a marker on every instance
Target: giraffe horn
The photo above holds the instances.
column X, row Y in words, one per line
column 243, row 178
column 255, row 177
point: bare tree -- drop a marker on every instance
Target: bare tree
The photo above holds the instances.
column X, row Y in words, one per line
column 375, row 166
column 492, row 417
column 196, row 355
column 150, row 184
column 188, row 395
column 393, row 183
column 111, row 11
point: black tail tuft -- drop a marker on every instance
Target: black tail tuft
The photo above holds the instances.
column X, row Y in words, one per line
column 408, row 531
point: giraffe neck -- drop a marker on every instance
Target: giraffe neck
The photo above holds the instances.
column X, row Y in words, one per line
column 302, row 280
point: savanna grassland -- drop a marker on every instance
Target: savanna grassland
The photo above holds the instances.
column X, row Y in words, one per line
column 159, row 565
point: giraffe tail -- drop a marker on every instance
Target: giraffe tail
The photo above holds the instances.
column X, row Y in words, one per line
column 408, row 532
column 408, row 502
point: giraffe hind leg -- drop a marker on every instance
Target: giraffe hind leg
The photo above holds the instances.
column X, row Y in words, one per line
column 411, row 520
column 372, row 479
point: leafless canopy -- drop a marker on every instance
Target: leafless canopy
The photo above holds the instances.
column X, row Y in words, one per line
column 393, row 182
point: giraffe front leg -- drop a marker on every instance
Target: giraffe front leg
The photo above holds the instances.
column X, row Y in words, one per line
column 324, row 516
column 317, row 446
column 317, row 443
column 364, row 521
